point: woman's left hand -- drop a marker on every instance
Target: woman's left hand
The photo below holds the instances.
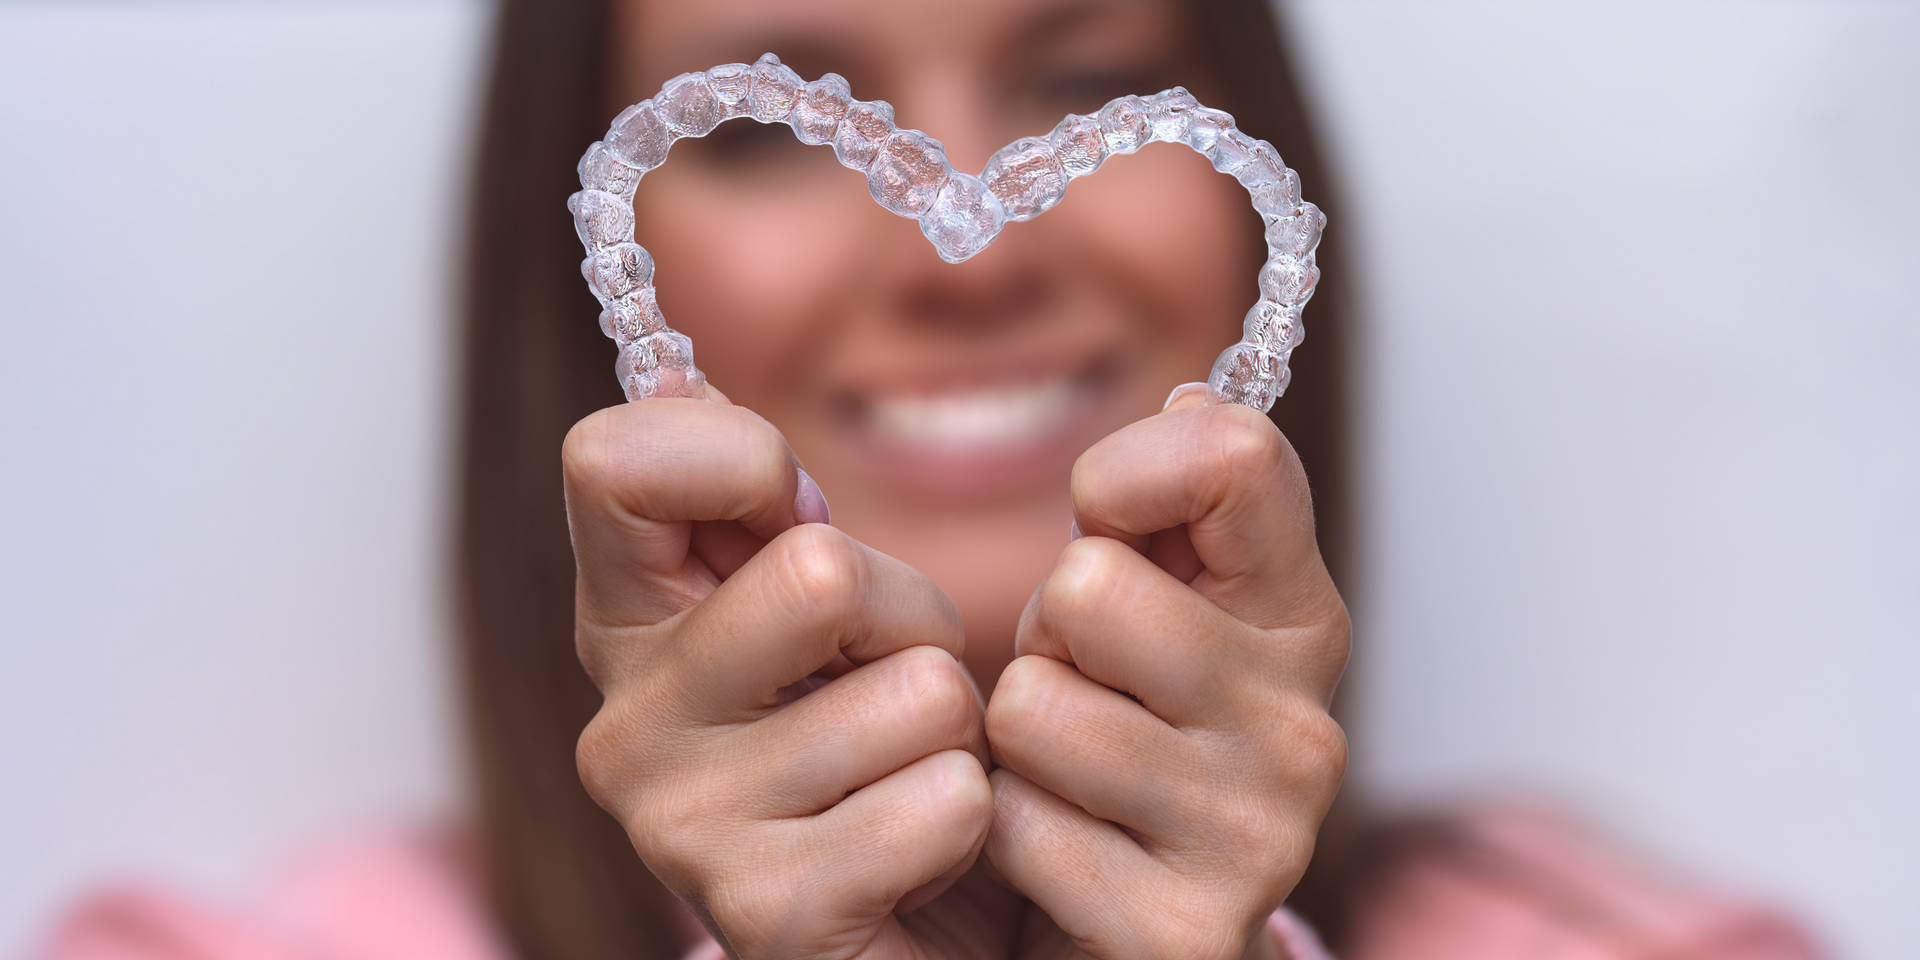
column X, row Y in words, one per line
column 1165, row 753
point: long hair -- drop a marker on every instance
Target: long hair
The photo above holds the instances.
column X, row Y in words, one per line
column 564, row 881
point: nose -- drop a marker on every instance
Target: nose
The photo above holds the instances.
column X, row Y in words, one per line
column 948, row 99
column 998, row 289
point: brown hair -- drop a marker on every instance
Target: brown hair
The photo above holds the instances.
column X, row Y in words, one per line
column 564, row 880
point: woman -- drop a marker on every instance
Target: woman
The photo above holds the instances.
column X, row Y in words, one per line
column 836, row 323
column 957, row 418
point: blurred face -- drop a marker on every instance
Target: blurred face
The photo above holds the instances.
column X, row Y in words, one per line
column 941, row 406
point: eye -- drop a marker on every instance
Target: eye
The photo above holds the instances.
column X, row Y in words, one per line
column 1057, row 92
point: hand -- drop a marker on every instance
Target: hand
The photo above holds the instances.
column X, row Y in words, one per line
column 1164, row 746
column 796, row 813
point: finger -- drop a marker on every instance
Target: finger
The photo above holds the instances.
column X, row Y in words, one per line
column 1129, row 625
column 909, row 828
column 880, row 718
column 813, row 594
column 1091, row 746
column 1227, row 473
column 855, row 862
column 1184, row 795
column 1083, row 872
column 1103, row 891
column 636, row 474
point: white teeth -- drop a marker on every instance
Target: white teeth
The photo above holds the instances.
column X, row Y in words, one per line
column 996, row 417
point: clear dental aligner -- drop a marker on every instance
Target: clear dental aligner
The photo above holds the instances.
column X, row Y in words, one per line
column 908, row 173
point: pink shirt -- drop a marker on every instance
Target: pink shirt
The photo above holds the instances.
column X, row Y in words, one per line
column 1521, row 886
column 1514, row 881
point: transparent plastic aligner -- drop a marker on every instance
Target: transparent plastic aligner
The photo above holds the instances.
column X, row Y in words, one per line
column 960, row 214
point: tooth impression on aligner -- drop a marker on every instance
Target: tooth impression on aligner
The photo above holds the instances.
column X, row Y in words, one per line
column 775, row 88
column 817, row 113
column 1172, row 110
column 1080, row 144
column 908, row 174
column 960, row 214
column 1126, row 123
column 731, row 83
column 1027, row 177
column 639, row 138
column 964, row 218
column 689, row 106
column 861, row 133
column 601, row 170
column 601, row 219
column 618, row 270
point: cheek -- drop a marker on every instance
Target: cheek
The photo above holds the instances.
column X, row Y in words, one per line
column 753, row 272
column 1181, row 241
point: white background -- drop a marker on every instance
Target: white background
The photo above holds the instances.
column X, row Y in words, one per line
column 1641, row 427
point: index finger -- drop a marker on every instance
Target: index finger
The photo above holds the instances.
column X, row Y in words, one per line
column 1227, row 475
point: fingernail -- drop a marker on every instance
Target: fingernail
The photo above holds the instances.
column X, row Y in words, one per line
column 1182, row 391
column 809, row 504
column 1073, row 530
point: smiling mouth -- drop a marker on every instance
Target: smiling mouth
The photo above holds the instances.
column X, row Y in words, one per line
column 973, row 437
column 979, row 419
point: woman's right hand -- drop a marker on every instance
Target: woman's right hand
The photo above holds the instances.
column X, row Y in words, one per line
column 795, row 821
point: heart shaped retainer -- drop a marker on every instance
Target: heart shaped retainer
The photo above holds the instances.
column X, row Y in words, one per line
column 960, row 214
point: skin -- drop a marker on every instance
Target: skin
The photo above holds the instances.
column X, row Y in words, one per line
column 795, row 732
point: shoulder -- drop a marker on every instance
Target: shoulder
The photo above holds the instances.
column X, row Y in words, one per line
column 386, row 895
column 1510, row 881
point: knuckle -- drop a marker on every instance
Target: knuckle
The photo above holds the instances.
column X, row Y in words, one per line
column 1321, row 747
column 626, row 758
column 601, row 755
column 972, row 795
column 1246, row 443
column 1082, row 584
column 1306, row 752
column 1335, row 635
column 820, row 570
column 936, row 689
column 1088, row 482
column 1257, row 829
column 960, row 795
column 1270, row 815
column 586, row 453
column 1017, row 709
column 1309, row 743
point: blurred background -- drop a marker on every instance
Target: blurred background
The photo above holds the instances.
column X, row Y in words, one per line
column 1640, row 428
